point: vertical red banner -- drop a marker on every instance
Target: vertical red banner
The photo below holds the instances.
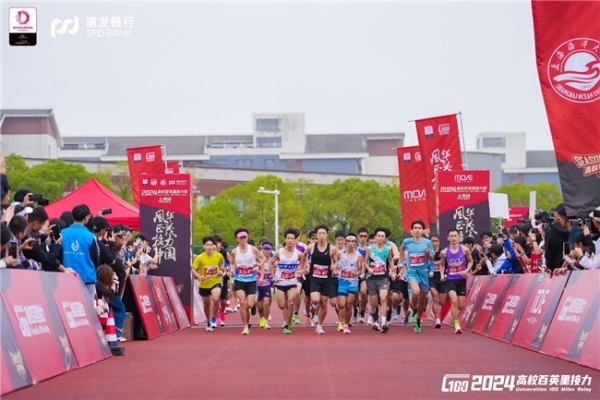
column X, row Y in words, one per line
column 143, row 160
column 516, row 213
column 165, row 216
column 176, row 305
column 463, row 203
column 567, row 44
column 413, row 193
column 162, row 302
column 439, row 142
column 146, row 305
column 172, row 167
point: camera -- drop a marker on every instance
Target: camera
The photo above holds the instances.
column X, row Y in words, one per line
column 535, row 230
column 55, row 232
column 543, row 217
column 106, row 211
column 38, row 198
column 13, row 249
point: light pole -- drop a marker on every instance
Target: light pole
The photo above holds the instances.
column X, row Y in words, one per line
column 276, row 193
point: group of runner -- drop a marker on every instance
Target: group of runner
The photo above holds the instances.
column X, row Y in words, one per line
column 360, row 274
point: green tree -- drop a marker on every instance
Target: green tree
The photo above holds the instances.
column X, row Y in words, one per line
column 548, row 195
column 121, row 181
column 220, row 216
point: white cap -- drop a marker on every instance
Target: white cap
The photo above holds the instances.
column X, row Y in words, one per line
column 596, row 214
column 25, row 211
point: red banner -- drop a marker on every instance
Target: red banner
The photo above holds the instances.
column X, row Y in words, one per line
column 474, row 294
column 165, row 216
column 14, row 373
column 568, row 61
column 143, row 160
column 573, row 334
column 164, row 306
column 176, row 305
column 484, row 317
column 172, row 167
column 516, row 213
column 413, row 196
column 79, row 317
column 533, row 326
column 440, row 146
column 463, row 203
column 146, row 307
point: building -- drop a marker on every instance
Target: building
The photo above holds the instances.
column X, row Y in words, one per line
column 31, row 133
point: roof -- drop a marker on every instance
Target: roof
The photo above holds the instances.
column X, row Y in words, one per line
column 175, row 145
column 344, row 143
column 541, row 159
column 32, row 112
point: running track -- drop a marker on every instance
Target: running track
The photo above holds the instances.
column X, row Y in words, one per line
column 194, row 364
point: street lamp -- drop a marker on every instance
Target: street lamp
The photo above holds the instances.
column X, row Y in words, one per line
column 276, row 193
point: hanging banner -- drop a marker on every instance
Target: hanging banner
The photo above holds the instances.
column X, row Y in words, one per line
column 172, row 167
column 568, row 62
column 146, row 306
column 439, row 142
column 165, row 311
column 176, row 305
column 516, row 213
column 574, row 330
column 413, row 193
column 143, row 160
column 463, row 203
column 165, row 217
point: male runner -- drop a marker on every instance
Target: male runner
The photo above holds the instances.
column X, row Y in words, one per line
column 349, row 268
column 393, row 299
column 459, row 260
column 285, row 270
column 322, row 262
column 363, row 235
column 225, row 292
column 417, row 256
column 244, row 260
column 208, row 268
column 305, row 280
column 340, row 246
column 264, row 288
column 437, row 287
column 378, row 260
column 297, row 302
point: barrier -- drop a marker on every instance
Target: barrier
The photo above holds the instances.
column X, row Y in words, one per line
column 165, row 311
column 145, row 309
column 484, row 317
column 182, row 319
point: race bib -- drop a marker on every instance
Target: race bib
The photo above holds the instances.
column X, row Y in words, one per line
column 287, row 275
column 245, row 270
column 436, row 266
column 378, row 269
column 210, row 271
column 320, row 271
column 455, row 269
column 417, row 259
column 347, row 274
column 267, row 275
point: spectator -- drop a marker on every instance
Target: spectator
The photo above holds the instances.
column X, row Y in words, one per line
column 67, row 218
column 556, row 235
column 565, row 221
column 475, row 253
column 147, row 262
column 496, row 258
column 511, row 263
column 80, row 248
column 18, row 230
column 47, row 256
column 7, row 261
column 537, row 259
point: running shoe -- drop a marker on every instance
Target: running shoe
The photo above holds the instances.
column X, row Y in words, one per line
column 405, row 318
column 355, row 319
column 320, row 330
column 457, row 330
column 286, row 330
column 246, row 331
column 417, row 326
column 370, row 321
column 394, row 314
column 376, row 326
column 121, row 339
column 219, row 322
column 346, row 330
column 296, row 319
column 438, row 324
column 228, row 310
column 340, row 327
column 315, row 319
column 413, row 318
column 209, row 328
column 385, row 327
column 261, row 322
column 267, row 326
column 308, row 321
column 222, row 315
column 361, row 320
column 213, row 322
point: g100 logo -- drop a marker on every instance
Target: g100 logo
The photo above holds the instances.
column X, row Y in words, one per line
column 462, row 383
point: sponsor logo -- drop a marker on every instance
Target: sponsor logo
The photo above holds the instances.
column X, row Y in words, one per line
column 444, row 129
column 574, row 70
column 75, row 246
column 150, row 157
column 590, row 163
column 163, row 182
column 538, row 302
column 144, row 182
column 429, row 131
column 463, row 178
column 154, row 182
column 413, row 195
column 64, row 26
column 418, row 156
column 462, row 383
column 137, row 157
column 406, row 157
column 22, row 17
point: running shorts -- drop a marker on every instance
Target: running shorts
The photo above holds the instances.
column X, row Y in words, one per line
column 419, row 275
column 345, row 288
column 207, row 292
column 249, row 288
column 459, row 286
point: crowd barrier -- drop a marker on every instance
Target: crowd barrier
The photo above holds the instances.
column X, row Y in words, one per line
column 553, row 315
column 49, row 326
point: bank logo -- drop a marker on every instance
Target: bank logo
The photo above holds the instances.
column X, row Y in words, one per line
column 61, row 27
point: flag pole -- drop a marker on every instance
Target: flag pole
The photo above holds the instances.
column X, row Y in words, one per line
column 164, row 154
column 462, row 135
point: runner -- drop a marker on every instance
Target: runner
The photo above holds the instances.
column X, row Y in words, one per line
column 297, row 302
column 244, row 259
column 437, row 287
column 350, row 267
column 209, row 268
column 264, row 287
column 378, row 260
column 459, row 260
column 285, row 270
column 321, row 264
column 312, row 317
column 363, row 235
column 340, row 246
column 225, row 292
column 417, row 256
column 394, row 284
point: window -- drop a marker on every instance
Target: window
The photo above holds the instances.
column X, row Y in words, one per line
column 494, row 142
column 268, row 142
column 246, row 162
column 206, row 200
column 269, row 162
column 268, row 124
column 503, row 158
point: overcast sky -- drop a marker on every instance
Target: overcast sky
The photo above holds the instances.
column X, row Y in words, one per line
column 205, row 68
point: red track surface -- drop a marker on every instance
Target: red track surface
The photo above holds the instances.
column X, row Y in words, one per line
column 194, row 364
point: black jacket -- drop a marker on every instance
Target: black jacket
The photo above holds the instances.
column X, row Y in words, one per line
column 553, row 246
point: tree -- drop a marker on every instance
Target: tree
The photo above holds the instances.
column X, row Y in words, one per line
column 547, row 197
column 220, row 216
column 122, row 182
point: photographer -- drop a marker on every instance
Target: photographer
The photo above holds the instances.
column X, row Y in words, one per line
column 536, row 241
column 494, row 259
column 556, row 235
column 48, row 256
column 18, row 230
column 7, row 260
column 511, row 263
column 475, row 250
column 147, row 262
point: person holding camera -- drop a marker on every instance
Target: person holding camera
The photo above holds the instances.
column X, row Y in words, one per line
column 20, row 242
column 47, row 255
column 147, row 262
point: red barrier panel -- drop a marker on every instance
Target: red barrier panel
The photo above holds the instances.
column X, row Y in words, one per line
column 79, row 317
column 182, row 319
column 144, row 300
column 41, row 334
column 536, row 318
column 199, row 316
column 14, row 373
column 162, row 301
column 478, row 282
column 575, row 320
column 484, row 317
column 513, row 305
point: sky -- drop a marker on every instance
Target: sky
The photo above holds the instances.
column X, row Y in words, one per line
column 205, row 68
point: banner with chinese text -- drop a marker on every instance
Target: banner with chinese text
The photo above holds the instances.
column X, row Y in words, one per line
column 516, row 213
column 176, row 305
column 165, row 217
column 172, row 167
column 165, row 311
column 146, row 306
column 413, row 194
column 463, row 203
column 143, row 160
column 567, row 45
column 439, row 142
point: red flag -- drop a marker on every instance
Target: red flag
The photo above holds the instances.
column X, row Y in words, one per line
column 567, row 44
column 440, row 146
column 143, row 160
column 172, row 167
column 413, row 197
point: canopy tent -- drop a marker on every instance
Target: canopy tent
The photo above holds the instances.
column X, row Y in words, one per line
column 97, row 197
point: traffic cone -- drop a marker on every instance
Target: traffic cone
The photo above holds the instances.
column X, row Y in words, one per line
column 110, row 334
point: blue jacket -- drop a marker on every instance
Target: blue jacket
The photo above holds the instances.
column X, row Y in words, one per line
column 511, row 265
column 80, row 251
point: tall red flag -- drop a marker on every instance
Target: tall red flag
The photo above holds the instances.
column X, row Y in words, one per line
column 567, row 45
column 172, row 167
column 440, row 145
column 413, row 196
column 143, row 160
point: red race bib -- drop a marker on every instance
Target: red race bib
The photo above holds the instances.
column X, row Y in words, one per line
column 320, row 271
column 347, row 274
column 210, row 271
column 417, row 260
column 245, row 270
column 436, row 266
column 378, row 269
column 287, row 275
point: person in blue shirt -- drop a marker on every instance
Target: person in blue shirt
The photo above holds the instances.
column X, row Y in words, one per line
column 80, row 250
